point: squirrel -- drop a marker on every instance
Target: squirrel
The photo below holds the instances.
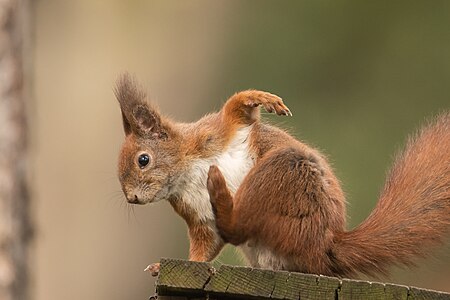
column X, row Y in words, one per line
column 235, row 179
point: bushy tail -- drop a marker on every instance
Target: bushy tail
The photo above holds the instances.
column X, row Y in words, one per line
column 413, row 212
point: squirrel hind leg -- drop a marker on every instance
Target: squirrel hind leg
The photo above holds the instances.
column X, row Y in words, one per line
column 218, row 191
column 284, row 204
column 222, row 204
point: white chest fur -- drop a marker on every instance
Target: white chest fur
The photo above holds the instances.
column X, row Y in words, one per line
column 234, row 163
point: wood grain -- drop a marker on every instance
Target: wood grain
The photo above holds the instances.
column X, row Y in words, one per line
column 180, row 279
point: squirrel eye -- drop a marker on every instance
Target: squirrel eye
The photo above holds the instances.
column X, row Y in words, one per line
column 143, row 160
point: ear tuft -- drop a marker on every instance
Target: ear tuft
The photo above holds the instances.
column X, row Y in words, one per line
column 138, row 115
column 128, row 92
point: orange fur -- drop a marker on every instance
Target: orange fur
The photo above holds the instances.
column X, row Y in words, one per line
column 288, row 209
column 173, row 147
column 291, row 203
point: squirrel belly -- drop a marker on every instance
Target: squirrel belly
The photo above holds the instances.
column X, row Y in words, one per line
column 288, row 205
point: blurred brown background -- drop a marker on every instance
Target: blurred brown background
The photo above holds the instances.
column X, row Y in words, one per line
column 359, row 76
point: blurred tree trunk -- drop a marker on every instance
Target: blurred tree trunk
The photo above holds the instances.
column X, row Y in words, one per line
column 14, row 220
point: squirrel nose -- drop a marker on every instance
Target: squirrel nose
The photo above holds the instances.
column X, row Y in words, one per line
column 133, row 199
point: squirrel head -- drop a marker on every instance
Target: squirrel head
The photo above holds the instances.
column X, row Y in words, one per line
column 149, row 157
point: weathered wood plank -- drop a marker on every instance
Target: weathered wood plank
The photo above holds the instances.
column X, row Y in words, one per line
column 326, row 288
column 227, row 280
column 396, row 292
column 423, row 294
column 282, row 288
column 257, row 283
column 356, row 289
column 267, row 284
column 191, row 280
column 182, row 278
column 309, row 286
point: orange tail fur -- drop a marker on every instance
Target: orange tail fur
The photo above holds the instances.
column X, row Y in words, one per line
column 413, row 212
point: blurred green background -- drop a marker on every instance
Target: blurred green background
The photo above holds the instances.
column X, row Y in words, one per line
column 359, row 76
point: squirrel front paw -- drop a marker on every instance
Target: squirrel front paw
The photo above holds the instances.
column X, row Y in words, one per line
column 272, row 103
column 153, row 269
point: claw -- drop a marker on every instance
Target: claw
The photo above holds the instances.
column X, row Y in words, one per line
column 270, row 109
column 272, row 103
column 286, row 112
column 153, row 269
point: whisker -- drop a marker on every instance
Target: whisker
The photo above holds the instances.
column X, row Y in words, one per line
column 135, row 216
column 128, row 212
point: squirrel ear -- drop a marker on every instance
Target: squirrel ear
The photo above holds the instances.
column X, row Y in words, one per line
column 147, row 121
column 138, row 115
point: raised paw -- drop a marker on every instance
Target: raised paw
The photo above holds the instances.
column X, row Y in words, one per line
column 272, row 103
column 219, row 195
column 216, row 185
column 153, row 269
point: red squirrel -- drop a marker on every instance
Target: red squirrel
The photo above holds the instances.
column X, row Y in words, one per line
column 235, row 179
